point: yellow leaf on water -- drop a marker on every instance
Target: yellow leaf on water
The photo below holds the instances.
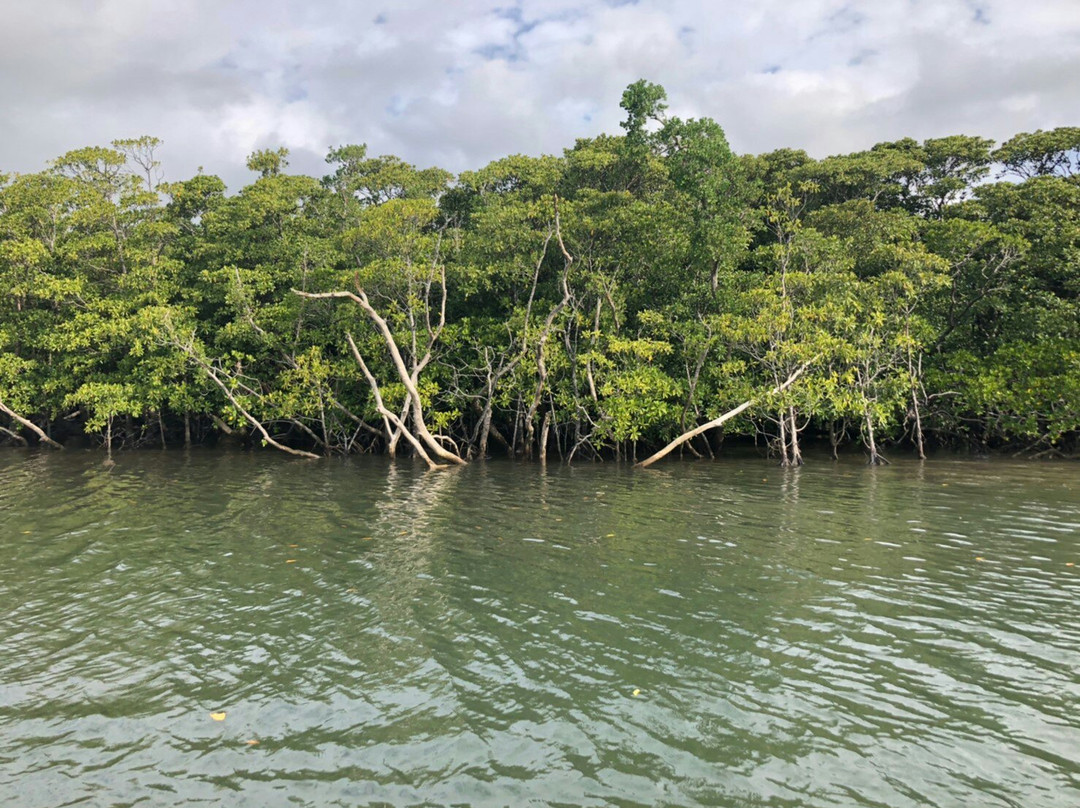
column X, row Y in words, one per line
column 218, row 716
column 252, row 742
column 979, row 558
column 610, row 536
column 366, row 538
column 637, row 692
column 290, row 560
column 294, row 545
column 1069, row 564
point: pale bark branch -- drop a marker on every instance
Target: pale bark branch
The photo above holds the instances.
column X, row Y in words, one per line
column 715, row 422
column 425, row 435
column 13, row 435
column 29, row 425
column 251, row 419
column 389, row 417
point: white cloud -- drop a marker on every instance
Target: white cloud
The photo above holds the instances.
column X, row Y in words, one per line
column 458, row 84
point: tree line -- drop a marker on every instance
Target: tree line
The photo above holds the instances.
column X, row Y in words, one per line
column 642, row 289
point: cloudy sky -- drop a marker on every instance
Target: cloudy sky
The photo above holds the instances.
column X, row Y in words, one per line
column 459, row 82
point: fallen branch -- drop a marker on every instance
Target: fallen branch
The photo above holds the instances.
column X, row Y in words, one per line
column 389, row 416
column 15, row 436
column 361, row 299
column 251, row 419
column 224, row 427
column 715, row 422
column 29, row 425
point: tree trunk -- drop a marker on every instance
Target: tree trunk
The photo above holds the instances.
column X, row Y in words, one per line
column 29, row 425
column 918, row 425
column 251, row 419
column 796, row 452
column 399, row 364
column 15, row 436
column 386, row 413
column 783, row 440
column 544, row 436
column 485, row 429
column 541, row 367
column 875, row 458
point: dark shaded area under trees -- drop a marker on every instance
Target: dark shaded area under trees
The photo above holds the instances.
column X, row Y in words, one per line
column 598, row 304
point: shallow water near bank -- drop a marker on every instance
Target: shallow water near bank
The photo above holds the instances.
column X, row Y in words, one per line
column 716, row 633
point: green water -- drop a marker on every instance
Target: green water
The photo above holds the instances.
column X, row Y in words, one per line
column 820, row 637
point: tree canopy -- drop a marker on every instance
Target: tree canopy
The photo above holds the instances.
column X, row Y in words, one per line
column 593, row 304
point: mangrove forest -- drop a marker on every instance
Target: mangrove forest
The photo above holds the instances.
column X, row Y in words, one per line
column 644, row 289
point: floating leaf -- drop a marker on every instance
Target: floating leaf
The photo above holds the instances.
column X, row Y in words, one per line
column 290, row 560
column 979, row 558
column 218, row 716
column 637, row 692
column 252, row 742
column 610, row 536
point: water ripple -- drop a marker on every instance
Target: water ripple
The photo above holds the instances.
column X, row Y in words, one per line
column 708, row 634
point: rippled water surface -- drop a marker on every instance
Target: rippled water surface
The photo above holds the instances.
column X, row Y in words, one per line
column 702, row 634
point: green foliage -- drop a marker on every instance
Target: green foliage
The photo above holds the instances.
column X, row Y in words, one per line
column 614, row 295
column 1040, row 153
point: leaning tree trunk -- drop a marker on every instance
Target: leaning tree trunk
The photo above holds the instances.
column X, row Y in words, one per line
column 15, row 436
column 29, row 425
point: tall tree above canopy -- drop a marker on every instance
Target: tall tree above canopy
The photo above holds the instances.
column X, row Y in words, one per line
column 643, row 102
column 703, row 169
column 1040, row 153
column 952, row 167
column 268, row 162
